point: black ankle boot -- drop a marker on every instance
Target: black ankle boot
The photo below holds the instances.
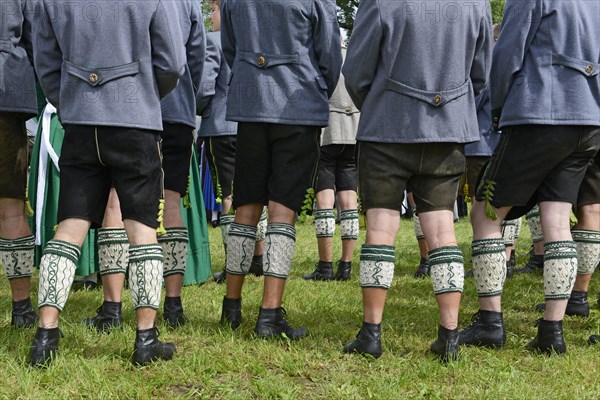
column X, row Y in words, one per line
column 23, row 314
column 487, row 330
column 108, row 316
column 44, row 346
column 510, row 264
column 549, row 337
column 147, row 348
column 446, row 344
column 271, row 323
column 367, row 342
column 535, row 263
column 231, row 313
column 423, row 270
column 173, row 312
column 594, row 339
column 220, row 277
column 323, row 272
column 576, row 306
column 256, row 267
column 343, row 270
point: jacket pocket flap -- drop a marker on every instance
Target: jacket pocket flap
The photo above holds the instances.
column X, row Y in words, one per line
column 587, row 68
column 99, row 76
column 265, row 60
column 5, row 46
column 436, row 99
column 321, row 82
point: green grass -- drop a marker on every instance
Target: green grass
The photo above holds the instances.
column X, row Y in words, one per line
column 213, row 362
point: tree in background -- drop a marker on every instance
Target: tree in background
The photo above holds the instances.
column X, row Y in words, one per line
column 497, row 10
column 346, row 14
column 206, row 6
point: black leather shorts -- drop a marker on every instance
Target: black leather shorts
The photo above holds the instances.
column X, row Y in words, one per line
column 337, row 168
column 275, row 162
column 95, row 158
column 536, row 163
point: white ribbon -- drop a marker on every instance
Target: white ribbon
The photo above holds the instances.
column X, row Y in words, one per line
column 46, row 150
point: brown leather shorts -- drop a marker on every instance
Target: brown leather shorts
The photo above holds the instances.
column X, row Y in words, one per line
column 13, row 156
column 432, row 170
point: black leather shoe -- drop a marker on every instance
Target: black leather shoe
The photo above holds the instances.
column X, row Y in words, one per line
column 576, row 306
column 173, row 312
column 231, row 313
column 549, row 338
column 256, row 267
column 23, row 314
column 446, row 344
column 367, row 342
column 44, row 346
column 487, row 330
column 343, row 270
column 271, row 323
column 108, row 315
column 535, row 263
column 220, row 277
column 510, row 264
column 469, row 274
column 323, row 272
column 147, row 348
column 423, row 270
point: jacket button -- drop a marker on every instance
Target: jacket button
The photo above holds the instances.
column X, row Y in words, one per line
column 93, row 78
column 437, row 99
column 589, row 69
column 348, row 110
column 262, row 60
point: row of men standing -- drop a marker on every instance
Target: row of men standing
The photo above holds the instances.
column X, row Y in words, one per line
column 417, row 101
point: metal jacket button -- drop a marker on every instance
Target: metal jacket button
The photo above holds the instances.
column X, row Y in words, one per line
column 93, row 78
column 437, row 99
column 262, row 60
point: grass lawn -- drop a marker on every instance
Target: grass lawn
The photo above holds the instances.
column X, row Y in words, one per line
column 212, row 362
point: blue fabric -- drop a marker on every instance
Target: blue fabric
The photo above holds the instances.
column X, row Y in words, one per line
column 179, row 106
column 547, row 63
column 108, row 71
column 212, row 97
column 285, row 58
column 414, row 69
column 17, row 81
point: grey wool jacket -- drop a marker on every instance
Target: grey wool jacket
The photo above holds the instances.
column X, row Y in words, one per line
column 212, row 98
column 179, row 106
column 547, row 63
column 285, row 58
column 108, row 63
column 414, row 69
column 17, row 80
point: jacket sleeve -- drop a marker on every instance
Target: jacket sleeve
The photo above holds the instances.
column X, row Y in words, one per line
column 168, row 52
column 362, row 57
column 47, row 55
column 482, row 60
column 26, row 39
column 212, row 67
column 327, row 42
column 227, row 34
column 196, row 46
column 521, row 22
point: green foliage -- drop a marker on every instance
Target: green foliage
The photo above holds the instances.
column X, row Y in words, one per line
column 497, row 10
column 347, row 13
column 206, row 9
